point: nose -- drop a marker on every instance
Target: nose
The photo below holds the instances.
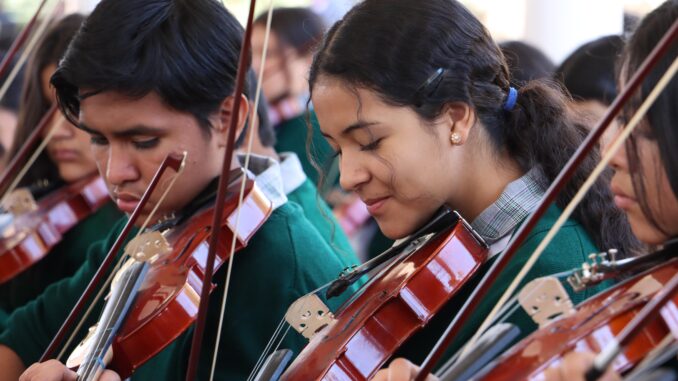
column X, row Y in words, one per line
column 619, row 159
column 352, row 172
column 120, row 166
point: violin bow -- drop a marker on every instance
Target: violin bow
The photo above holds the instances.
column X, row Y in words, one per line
column 569, row 209
column 563, row 177
column 646, row 316
column 171, row 161
column 198, row 333
column 14, row 166
column 20, row 40
column 11, row 172
column 250, row 141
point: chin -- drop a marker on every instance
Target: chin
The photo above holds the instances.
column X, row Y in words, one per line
column 71, row 175
column 648, row 234
column 394, row 231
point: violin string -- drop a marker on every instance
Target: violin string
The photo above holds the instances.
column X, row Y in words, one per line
column 94, row 348
column 607, row 157
column 669, row 339
column 103, row 340
column 118, row 265
column 507, row 310
column 266, row 350
column 250, row 144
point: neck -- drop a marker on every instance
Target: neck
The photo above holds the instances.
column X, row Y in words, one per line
column 487, row 179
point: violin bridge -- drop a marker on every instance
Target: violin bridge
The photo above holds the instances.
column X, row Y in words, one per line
column 308, row 315
column 147, row 247
column 545, row 300
column 20, row 201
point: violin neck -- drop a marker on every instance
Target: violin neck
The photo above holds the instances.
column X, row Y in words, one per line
column 123, row 292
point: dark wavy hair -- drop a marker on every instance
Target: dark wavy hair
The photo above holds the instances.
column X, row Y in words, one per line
column 393, row 46
column 186, row 51
column 662, row 117
column 589, row 72
column 33, row 102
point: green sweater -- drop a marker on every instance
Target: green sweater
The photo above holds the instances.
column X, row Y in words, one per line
column 568, row 250
column 285, row 259
column 291, row 136
column 61, row 262
column 321, row 217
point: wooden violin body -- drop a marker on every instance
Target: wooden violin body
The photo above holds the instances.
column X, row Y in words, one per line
column 32, row 235
column 391, row 307
column 167, row 301
column 594, row 325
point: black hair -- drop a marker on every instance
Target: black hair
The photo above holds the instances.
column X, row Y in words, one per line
column 392, row 47
column 298, row 28
column 186, row 51
column 265, row 129
column 526, row 62
column 589, row 72
column 661, row 118
column 34, row 104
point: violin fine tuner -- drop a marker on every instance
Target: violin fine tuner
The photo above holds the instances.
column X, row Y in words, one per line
column 594, row 271
column 308, row 315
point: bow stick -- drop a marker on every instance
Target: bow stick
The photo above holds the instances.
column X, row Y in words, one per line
column 243, row 65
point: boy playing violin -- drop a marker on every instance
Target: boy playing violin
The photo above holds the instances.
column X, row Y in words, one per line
column 146, row 79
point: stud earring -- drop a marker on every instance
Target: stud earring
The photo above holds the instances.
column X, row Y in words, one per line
column 455, row 138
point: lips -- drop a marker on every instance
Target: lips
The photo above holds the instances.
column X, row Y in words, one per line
column 126, row 202
column 375, row 205
column 65, row 155
column 622, row 199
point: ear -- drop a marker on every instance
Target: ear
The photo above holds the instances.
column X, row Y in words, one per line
column 225, row 116
column 460, row 118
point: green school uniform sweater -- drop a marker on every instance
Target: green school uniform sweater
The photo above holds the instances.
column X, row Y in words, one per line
column 291, row 136
column 321, row 217
column 61, row 262
column 284, row 260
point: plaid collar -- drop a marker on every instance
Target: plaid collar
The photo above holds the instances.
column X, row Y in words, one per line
column 517, row 201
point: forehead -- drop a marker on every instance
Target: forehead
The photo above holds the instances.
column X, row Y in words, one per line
column 339, row 106
column 113, row 111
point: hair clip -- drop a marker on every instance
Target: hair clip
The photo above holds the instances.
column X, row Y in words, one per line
column 429, row 86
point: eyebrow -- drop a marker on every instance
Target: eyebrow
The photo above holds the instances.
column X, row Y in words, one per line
column 132, row 131
column 356, row 126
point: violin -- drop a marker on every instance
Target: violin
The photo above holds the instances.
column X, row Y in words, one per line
column 38, row 227
column 168, row 268
column 593, row 326
column 399, row 301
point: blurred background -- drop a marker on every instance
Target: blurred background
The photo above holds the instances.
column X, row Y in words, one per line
column 556, row 27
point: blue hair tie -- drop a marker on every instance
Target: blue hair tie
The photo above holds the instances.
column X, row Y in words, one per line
column 511, row 99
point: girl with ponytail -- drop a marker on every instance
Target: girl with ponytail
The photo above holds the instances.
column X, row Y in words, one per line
column 416, row 100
